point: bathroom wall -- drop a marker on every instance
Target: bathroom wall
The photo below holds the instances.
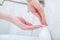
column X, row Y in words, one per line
column 52, row 11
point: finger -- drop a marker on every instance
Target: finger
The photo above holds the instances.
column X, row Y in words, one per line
column 39, row 15
column 36, row 26
column 40, row 10
column 38, row 6
column 24, row 21
column 33, row 10
column 32, row 27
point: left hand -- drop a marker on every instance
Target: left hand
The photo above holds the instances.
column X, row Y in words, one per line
column 37, row 9
column 23, row 24
column 19, row 21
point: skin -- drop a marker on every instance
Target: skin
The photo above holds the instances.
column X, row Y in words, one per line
column 35, row 8
column 19, row 21
column 38, row 10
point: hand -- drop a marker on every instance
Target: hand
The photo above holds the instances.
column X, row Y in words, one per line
column 23, row 24
column 19, row 21
column 37, row 9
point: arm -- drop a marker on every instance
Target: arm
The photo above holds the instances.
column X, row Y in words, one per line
column 19, row 21
column 6, row 16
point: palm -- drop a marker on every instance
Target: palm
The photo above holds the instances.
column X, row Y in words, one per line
column 22, row 23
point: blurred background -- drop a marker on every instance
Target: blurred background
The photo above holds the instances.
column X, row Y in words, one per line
column 52, row 13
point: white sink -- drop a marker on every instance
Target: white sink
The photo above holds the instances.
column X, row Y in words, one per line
column 43, row 35
column 20, row 37
column 17, row 37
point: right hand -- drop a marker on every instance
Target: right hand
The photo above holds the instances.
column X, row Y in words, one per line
column 37, row 9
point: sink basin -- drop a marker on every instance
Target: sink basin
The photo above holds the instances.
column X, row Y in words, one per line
column 43, row 35
column 17, row 37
